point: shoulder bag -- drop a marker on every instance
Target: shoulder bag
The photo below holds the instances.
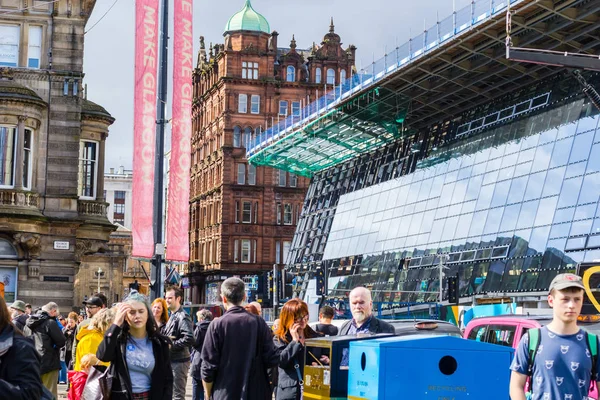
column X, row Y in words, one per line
column 98, row 385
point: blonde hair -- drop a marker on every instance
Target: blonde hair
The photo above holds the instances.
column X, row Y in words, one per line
column 102, row 320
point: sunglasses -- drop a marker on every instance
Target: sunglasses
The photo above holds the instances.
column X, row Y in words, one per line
column 302, row 318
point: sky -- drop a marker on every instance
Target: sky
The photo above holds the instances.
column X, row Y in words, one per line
column 374, row 26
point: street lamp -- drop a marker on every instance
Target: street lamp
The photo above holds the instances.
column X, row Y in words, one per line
column 99, row 273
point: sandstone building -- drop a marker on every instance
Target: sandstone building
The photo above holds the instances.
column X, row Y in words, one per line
column 243, row 218
column 52, row 141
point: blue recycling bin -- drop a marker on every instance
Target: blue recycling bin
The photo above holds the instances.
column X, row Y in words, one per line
column 428, row 367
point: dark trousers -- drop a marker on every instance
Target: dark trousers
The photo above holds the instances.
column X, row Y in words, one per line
column 197, row 389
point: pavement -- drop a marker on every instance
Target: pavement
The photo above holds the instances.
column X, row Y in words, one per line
column 62, row 390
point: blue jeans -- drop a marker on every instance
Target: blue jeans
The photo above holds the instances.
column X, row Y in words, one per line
column 62, row 376
column 197, row 389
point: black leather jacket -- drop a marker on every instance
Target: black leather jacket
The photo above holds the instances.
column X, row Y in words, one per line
column 180, row 330
column 113, row 349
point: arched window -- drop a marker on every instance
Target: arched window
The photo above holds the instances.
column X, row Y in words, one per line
column 318, row 75
column 291, row 74
column 342, row 77
column 331, row 76
column 7, row 250
column 237, row 137
column 246, row 136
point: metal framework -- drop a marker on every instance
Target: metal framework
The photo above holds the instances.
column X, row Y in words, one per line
column 454, row 77
column 367, row 122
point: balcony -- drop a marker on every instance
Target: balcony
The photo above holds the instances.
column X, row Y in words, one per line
column 19, row 198
column 92, row 208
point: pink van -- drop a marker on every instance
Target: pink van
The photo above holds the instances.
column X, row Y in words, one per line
column 507, row 330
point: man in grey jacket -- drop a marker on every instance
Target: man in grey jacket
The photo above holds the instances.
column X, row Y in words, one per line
column 363, row 321
column 180, row 330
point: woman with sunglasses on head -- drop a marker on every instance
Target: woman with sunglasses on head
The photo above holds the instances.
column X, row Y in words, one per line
column 138, row 354
column 289, row 339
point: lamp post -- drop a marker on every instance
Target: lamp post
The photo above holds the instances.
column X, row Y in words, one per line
column 99, row 273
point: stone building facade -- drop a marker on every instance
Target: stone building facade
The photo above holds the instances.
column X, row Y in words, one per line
column 52, row 140
column 243, row 218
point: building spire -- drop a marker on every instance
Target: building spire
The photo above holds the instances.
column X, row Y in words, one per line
column 293, row 42
column 331, row 27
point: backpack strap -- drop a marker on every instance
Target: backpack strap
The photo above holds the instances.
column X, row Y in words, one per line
column 534, row 344
column 592, row 343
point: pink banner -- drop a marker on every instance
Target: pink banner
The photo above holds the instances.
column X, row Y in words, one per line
column 144, row 126
column 179, row 165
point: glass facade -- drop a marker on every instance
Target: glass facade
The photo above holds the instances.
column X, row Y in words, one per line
column 505, row 207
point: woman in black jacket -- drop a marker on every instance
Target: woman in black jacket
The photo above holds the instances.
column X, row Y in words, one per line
column 139, row 356
column 20, row 377
column 289, row 339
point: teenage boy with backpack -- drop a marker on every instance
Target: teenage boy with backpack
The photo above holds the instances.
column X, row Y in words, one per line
column 560, row 359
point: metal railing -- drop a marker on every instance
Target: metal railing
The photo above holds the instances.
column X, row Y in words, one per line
column 460, row 21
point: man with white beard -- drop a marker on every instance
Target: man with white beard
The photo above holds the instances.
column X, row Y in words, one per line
column 363, row 321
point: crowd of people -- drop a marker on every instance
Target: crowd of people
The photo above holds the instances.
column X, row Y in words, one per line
column 147, row 350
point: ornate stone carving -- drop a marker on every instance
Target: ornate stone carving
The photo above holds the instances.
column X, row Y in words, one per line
column 85, row 247
column 6, row 73
column 30, row 242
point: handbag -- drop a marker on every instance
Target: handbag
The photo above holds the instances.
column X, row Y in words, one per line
column 98, row 385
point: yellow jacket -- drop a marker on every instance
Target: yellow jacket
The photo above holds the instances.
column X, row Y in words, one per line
column 88, row 342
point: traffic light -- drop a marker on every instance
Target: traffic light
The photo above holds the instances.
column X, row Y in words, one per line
column 287, row 285
column 320, row 277
column 453, row 290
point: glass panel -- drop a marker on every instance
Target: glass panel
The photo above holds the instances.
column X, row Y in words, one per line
column 527, row 214
column 581, row 147
column 570, row 192
column 590, row 189
column 546, row 211
column 553, row 182
column 561, row 153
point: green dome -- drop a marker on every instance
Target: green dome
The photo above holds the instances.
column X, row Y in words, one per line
column 247, row 20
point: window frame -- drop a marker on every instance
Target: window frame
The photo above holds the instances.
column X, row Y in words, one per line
column 293, row 180
column 290, row 73
column 18, row 44
column 249, row 70
column 243, row 103
column 318, row 75
column 241, row 174
column 251, row 174
column 343, row 76
column 246, row 212
column 296, row 109
column 80, row 185
column 281, row 104
column 243, row 243
column 237, row 136
column 28, row 159
column 14, row 156
column 332, row 80
column 255, row 104
column 281, row 175
column 288, row 214
column 34, row 47
column 279, row 213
